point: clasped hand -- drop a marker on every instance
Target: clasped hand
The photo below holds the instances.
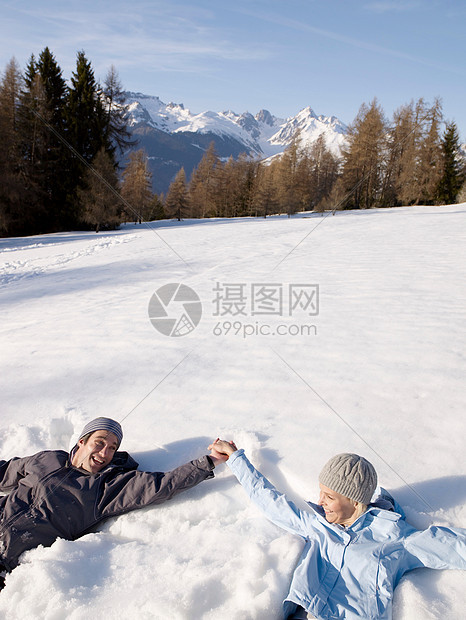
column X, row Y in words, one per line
column 221, row 450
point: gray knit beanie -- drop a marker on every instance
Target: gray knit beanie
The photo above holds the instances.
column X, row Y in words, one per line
column 103, row 424
column 350, row 475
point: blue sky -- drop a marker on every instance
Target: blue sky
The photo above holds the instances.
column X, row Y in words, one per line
column 282, row 55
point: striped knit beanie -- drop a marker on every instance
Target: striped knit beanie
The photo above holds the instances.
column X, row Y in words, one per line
column 350, row 475
column 103, row 424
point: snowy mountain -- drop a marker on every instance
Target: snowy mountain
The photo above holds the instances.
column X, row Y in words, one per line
column 173, row 136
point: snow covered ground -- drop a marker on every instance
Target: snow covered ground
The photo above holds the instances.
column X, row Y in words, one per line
column 379, row 370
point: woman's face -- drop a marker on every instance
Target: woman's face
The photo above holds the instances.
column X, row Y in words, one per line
column 338, row 509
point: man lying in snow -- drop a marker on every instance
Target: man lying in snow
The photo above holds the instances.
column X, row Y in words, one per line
column 357, row 547
column 53, row 494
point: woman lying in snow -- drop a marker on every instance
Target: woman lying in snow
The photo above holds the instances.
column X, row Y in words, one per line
column 357, row 548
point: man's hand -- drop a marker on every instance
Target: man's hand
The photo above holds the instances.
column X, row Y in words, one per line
column 221, row 450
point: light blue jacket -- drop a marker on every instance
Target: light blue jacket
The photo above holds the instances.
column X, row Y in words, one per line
column 350, row 573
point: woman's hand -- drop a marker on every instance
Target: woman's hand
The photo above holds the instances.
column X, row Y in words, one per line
column 221, row 450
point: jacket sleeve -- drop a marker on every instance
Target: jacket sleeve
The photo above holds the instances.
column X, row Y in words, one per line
column 437, row 547
column 11, row 472
column 137, row 489
column 276, row 507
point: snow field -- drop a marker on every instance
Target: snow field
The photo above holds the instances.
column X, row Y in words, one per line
column 383, row 376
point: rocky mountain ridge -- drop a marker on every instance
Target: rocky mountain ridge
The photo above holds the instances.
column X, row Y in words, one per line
column 174, row 137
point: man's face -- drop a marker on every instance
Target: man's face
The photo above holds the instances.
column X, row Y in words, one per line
column 96, row 453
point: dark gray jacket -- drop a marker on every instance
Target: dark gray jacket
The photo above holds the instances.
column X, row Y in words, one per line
column 49, row 499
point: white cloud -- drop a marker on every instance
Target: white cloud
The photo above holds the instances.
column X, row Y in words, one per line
column 158, row 35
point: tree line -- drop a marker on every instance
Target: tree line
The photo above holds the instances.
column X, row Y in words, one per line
column 407, row 161
column 53, row 135
column 61, row 146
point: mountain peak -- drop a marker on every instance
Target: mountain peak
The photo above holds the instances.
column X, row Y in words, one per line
column 264, row 116
column 174, row 106
column 184, row 136
column 307, row 111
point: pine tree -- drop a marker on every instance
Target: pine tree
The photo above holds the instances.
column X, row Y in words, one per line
column 265, row 201
column 248, row 180
column 86, row 118
column 117, row 134
column 203, row 185
column 363, row 168
column 136, row 188
column 176, row 201
column 156, row 210
column 430, row 157
column 11, row 186
column 86, row 125
column 316, row 174
column 288, row 179
column 234, row 187
column 324, row 168
column 101, row 207
column 32, row 141
column 54, row 87
column 418, row 166
column 45, row 160
column 453, row 168
column 225, row 188
column 401, row 155
column 56, row 157
column 305, row 180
